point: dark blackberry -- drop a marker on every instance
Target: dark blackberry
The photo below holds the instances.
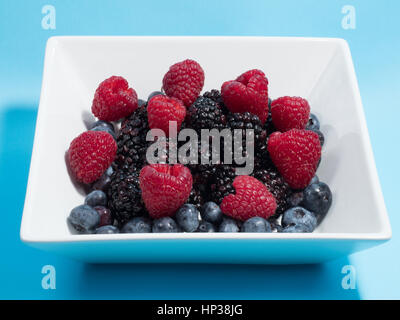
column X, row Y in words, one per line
column 195, row 197
column 277, row 186
column 131, row 141
column 205, row 113
column 215, row 95
column 124, row 196
column 221, row 183
column 245, row 121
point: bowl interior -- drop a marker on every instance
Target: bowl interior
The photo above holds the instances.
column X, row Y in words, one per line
column 317, row 69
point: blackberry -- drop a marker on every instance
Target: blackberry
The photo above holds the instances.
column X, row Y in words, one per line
column 221, row 183
column 215, row 95
column 195, row 197
column 131, row 141
column 245, row 121
column 277, row 186
column 124, row 196
column 205, row 113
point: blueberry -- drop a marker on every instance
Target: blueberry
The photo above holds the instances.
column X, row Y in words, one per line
column 256, row 224
column 313, row 122
column 318, row 199
column 105, row 216
column 295, row 199
column 228, row 225
column 211, row 212
column 269, row 104
column 84, row 218
column 297, row 228
column 164, row 225
column 105, row 129
column 153, row 94
column 103, row 124
column 320, row 136
column 108, row 229
column 188, row 217
column 315, row 179
column 104, row 181
column 141, row 102
column 299, row 215
column 137, row 225
column 206, row 226
column 96, row 198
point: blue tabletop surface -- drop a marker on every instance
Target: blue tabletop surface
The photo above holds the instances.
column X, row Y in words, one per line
column 375, row 48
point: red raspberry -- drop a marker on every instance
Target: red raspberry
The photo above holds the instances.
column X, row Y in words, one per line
column 252, row 198
column 184, row 81
column 90, row 154
column 290, row 113
column 161, row 110
column 164, row 188
column 248, row 93
column 295, row 153
column 114, row 99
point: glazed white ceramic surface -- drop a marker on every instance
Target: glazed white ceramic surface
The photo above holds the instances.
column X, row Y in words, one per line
column 319, row 69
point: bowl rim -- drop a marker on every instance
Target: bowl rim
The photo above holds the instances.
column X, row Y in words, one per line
column 383, row 235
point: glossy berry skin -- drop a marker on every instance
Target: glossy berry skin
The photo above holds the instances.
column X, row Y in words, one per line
column 153, row 94
column 104, row 181
column 252, row 198
column 248, row 93
column 84, row 219
column 165, row 188
column 313, row 122
column 188, row 217
column 96, row 198
column 256, row 224
column 161, row 110
column 297, row 228
column 141, row 103
column 137, row 225
column 299, row 215
column 184, row 81
column 290, row 113
column 211, row 212
column 296, row 154
column 315, row 179
column 206, row 226
column 228, row 225
column 295, row 199
column 105, row 216
column 114, row 100
column 318, row 199
column 165, row 225
column 90, row 154
column 108, row 229
column 102, row 124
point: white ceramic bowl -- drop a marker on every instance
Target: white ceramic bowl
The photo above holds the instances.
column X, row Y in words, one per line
column 320, row 70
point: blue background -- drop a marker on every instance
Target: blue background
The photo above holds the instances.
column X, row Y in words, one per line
column 375, row 48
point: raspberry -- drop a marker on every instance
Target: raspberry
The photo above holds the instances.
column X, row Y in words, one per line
column 248, row 93
column 165, row 188
column 295, row 153
column 90, row 154
column 290, row 113
column 252, row 198
column 161, row 110
column 114, row 99
column 184, row 81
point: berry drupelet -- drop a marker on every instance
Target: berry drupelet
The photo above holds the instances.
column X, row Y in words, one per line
column 131, row 141
column 277, row 186
column 124, row 196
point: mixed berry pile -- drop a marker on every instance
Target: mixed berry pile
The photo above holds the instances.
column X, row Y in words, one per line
column 129, row 195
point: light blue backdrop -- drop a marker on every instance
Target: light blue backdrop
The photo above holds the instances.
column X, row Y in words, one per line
column 375, row 47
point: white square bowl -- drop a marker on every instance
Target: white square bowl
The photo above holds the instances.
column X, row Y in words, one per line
column 320, row 70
